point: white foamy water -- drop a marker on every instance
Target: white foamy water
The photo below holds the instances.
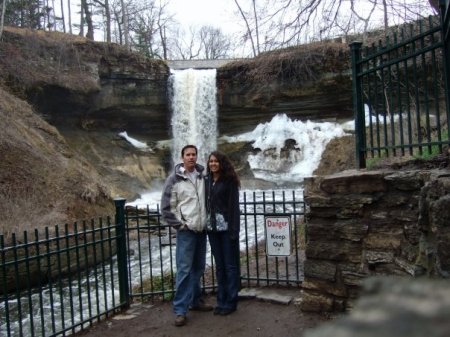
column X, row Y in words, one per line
column 194, row 112
column 273, row 163
column 152, row 198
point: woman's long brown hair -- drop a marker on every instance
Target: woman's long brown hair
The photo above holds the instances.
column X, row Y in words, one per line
column 226, row 168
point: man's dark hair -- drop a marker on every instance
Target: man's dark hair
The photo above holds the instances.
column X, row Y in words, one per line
column 187, row 147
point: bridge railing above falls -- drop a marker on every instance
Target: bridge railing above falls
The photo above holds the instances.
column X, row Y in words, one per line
column 198, row 64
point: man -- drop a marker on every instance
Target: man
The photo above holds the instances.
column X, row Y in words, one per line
column 183, row 208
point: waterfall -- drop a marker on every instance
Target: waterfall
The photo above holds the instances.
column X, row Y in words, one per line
column 286, row 151
column 194, row 112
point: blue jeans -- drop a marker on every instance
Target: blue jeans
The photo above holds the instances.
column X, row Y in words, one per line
column 190, row 260
column 226, row 256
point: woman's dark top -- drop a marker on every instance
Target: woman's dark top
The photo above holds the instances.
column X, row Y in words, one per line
column 222, row 203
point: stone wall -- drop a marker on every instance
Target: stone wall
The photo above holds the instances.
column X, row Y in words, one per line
column 366, row 223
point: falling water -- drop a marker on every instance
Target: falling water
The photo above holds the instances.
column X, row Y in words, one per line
column 194, row 111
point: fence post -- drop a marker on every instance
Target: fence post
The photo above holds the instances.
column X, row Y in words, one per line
column 445, row 28
column 358, row 110
column 122, row 253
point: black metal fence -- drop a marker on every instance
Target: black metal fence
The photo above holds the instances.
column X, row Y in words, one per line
column 445, row 21
column 60, row 281
column 65, row 279
column 151, row 260
column 400, row 89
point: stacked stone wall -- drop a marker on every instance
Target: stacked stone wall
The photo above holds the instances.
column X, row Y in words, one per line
column 367, row 223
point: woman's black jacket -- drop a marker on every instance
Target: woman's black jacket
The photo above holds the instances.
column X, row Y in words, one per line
column 223, row 197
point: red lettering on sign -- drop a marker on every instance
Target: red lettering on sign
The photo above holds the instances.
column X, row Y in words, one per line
column 277, row 223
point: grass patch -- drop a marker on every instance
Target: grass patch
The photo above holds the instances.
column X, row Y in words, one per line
column 162, row 287
column 429, row 153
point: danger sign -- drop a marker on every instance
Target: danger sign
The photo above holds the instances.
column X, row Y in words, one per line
column 278, row 235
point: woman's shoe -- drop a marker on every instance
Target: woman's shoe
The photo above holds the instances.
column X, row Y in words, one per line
column 225, row 312
column 201, row 306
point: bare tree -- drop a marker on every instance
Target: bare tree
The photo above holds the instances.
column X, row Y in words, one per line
column 107, row 13
column 126, row 32
column 287, row 22
column 81, row 32
column 63, row 19
column 366, row 19
column 207, row 43
column 86, row 17
column 249, row 33
column 69, row 16
column 185, row 46
column 163, row 37
column 164, row 22
column 144, row 30
column 214, row 43
column 148, row 22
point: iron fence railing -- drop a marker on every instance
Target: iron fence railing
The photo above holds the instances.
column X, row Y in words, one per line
column 61, row 281
column 151, row 261
column 400, row 90
column 444, row 6
column 257, row 268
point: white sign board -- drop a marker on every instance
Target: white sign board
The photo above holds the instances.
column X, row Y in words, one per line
column 278, row 235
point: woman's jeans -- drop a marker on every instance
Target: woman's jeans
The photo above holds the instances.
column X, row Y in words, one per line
column 190, row 260
column 226, row 256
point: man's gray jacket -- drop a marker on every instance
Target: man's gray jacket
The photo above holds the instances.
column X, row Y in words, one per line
column 183, row 201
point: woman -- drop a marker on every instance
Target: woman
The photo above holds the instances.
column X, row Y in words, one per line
column 223, row 224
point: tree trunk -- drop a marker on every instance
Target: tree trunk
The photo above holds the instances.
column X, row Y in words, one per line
column 386, row 22
column 163, row 37
column 69, row 16
column 125, row 23
column 63, row 19
column 81, row 33
column 108, row 21
column 249, row 31
column 2, row 18
column 88, row 17
column 256, row 27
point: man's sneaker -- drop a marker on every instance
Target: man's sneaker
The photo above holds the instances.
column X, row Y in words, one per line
column 180, row 320
column 202, row 306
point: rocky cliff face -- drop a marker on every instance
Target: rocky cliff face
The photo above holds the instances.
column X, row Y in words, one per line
column 90, row 92
column 43, row 182
column 76, row 83
column 306, row 82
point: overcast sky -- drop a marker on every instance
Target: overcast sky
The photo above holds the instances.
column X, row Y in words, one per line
column 217, row 13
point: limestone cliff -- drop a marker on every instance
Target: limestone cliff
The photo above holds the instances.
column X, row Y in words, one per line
column 42, row 181
column 63, row 101
column 305, row 82
column 90, row 92
column 78, row 83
